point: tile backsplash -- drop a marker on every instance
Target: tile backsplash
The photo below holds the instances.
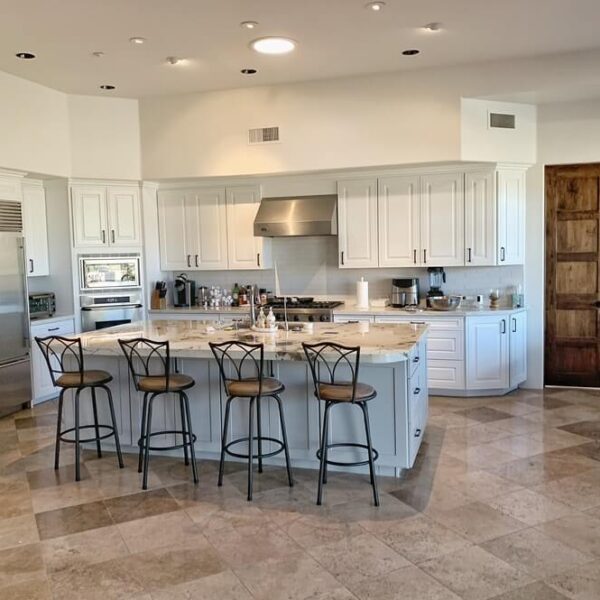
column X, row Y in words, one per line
column 309, row 266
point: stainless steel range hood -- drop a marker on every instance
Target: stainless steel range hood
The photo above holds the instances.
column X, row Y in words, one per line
column 297, row 216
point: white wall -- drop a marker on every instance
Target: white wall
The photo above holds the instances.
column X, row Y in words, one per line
column 34, row 127
column 104, row 137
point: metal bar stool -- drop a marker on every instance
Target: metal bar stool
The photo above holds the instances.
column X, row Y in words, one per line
column 246, row 380
column 150, row 368
column 58, row 351
column 335, row 361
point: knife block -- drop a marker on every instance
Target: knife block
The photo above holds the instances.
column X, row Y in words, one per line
column 156, row 302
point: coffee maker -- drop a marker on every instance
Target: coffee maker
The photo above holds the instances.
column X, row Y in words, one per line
column 437, row 277
column 184, row 291
column 405, row 292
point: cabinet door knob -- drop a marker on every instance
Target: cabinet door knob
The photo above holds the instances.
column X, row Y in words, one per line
column 416, row 359
column 418, row 433
column 417, row 391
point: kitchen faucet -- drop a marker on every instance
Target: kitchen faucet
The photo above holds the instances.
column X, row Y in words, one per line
column 252, row 311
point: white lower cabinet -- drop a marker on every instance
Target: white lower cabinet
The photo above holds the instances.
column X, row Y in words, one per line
column 487, row 352
column 42, row 382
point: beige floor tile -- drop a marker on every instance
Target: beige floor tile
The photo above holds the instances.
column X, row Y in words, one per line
column 140, row 505
column 475, row 434
column 19, row 564
column 222, row 586
column 534, row 591
column 475, row 574
column 355, row 558
column 481, row 456
column 72, row 519
column 536, row 553
column 580, row 531
column 429, row 499
column 18, row 531
column 68, row 494
column 581, row 583
column 15, row 498
column 483, row 485
column 297, row 578
column 28, row 590
column 520, row 446
column 81, row 549
column 530, row 507
column 582, row 491
column 478, row 522
column 555, row 439
column 310, row 531
column 420, row 538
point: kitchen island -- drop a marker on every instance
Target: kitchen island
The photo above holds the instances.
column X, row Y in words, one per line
column 393, row 361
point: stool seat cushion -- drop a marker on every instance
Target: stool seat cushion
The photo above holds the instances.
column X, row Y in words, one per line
column 342, row 392
column 177, row 383
column 89, row 378
column 247, row 388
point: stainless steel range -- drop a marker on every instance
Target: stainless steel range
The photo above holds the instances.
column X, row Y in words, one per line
column 304, row 309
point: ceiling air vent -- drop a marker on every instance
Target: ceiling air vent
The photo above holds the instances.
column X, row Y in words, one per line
column 263, row 135
column 502, row 121
column 10, row 216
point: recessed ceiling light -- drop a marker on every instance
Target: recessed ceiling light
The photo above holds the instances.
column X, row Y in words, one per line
column 432, row 26
column 248, row 24
column 375, row 6
column 173, row 60
column 273, row 45
column 248, row 71
column 25, row 55
column 411, row 52
column 137, row 40
column 107, row 86
column 98, row 54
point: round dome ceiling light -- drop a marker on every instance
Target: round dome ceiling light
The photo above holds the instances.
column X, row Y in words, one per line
column 248, row 71
column 273, row 45
column 248, row 24
column 173, row 60
column 375, row 6
column 107, row 86
column 98, row 54
column 25, row 55
column 411, row 52
column 432, row 27
column 137, row 40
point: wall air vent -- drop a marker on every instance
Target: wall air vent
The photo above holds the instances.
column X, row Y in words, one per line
column 502, row 121
column 263, row 135
column 10, row 216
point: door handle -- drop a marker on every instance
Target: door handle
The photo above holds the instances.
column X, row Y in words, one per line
column 425, row 256
column 103, row 236
column 514, row 327
column 189, row 260
column 502, row 254
column 258, row 258
column 112, row 235
column 503, row 326
column 31, row 265
column 342, row 257
column 196, row 260
column 415, row 256
column 470, row 257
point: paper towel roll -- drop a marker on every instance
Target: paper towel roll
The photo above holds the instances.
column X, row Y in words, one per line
column 362, row 293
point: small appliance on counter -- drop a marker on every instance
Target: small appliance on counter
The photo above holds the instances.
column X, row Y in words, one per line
column 42, row 305
column 158, row 300
column 437, row 277
column 184, row 291
column 405, row 292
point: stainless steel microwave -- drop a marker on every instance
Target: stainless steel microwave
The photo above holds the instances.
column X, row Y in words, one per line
column 109, row 272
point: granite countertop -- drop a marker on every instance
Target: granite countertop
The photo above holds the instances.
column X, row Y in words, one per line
column 380, row 343
column 241, row 310
column 399, row 312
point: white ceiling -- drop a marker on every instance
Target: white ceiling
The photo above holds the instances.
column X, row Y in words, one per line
column 336, row 38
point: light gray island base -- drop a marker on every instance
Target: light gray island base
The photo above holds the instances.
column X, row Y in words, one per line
column 393, row 361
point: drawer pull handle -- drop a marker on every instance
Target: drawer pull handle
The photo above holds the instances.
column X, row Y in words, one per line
column 258, row 259
column 417, row 391
column 189, row 258
column 418, row 433
column 352, row 321
column 417, row 323
column 415, row 256
column 53, row 328
column 112, row 236
column 416, row 359
column 342, row 257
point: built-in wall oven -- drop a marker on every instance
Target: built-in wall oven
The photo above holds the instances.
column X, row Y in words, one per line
column 110, row 290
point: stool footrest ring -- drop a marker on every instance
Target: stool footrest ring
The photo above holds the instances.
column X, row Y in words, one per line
column 359, row 463
column 263, row 455
column 111, row 432
column 142, row 441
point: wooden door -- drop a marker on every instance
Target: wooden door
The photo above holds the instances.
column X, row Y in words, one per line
column 572, row 349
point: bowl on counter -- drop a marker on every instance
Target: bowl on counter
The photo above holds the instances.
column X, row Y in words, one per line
column 444, row 303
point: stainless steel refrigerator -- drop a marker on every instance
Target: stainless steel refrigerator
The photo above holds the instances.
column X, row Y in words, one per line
column 15, row 369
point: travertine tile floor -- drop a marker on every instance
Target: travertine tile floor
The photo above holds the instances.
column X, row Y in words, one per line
column 504, row 503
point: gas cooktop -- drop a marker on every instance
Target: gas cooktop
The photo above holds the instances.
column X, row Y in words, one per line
column 304, row 309
column 304, row 303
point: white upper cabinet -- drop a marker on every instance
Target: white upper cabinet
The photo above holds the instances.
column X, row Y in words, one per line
column 518, row 348
column 487, row 352
column 175, row 249
column 106, row 216
column 480, row 219
column 124, row 216
column 357, row 223
column 36, row 229
column 245, row 251
column 442, row 220
column 511, row 216
column 90, row 219
column 399, row 214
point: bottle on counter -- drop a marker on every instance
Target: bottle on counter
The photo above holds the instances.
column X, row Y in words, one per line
column 263, row 296
column 243, row 297
column 235, row 294
column 261, row 320
column 271, row 320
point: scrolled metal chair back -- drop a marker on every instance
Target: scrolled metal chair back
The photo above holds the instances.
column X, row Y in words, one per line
column 57, row 351
column 329, row 360
column 147, row 358
column 247, row 365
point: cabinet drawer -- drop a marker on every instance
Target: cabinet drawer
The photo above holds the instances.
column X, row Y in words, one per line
column 417, row 412
column 446, row 374
column 353, row 318
column 415, row 358
column 65, row 327
column 446, row 344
